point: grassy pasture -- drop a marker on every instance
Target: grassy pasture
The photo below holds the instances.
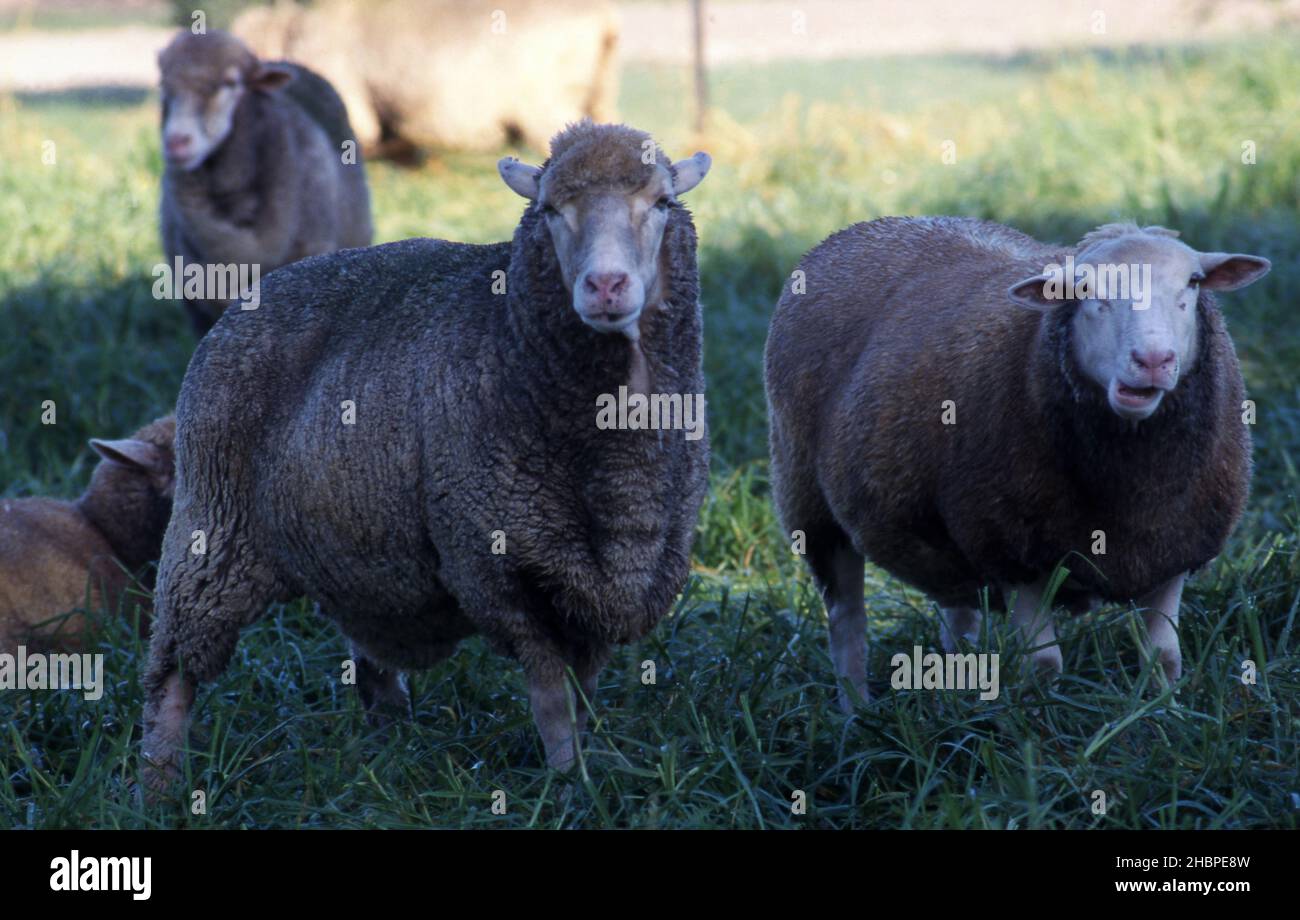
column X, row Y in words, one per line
column 741, row 714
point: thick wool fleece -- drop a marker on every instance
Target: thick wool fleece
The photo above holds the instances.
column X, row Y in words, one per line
column 474, row 424
column 587, row 156
column 1036, row 463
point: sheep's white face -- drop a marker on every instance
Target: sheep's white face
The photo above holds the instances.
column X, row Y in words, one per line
column 1135, row 331
column 200, row 93
column 607, row 241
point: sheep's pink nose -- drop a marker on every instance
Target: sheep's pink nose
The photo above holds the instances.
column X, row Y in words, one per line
column 606, row 286
column 177, row 143
column 1154, row 360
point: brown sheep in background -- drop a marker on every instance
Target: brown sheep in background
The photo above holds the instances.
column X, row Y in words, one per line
column 62, row 556
column 1071, row 417
column 258, row 168
column 474, row 490
column 459, row 74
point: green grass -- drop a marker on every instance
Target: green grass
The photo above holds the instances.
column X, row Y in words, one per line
column 37, row 14
column 741, row 714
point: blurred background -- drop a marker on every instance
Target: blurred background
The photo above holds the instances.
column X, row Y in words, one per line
column 1053, row 116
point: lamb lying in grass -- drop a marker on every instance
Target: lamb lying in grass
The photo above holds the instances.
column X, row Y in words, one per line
column 57, row 557
column 922, row 418
column 261, row 167
column 408, row 435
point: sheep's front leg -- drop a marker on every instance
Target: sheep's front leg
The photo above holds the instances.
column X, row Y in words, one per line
column 587, row 668
column 559, row 712
column 1160, row 614
column 838, row 570
column 1034, row 620
column 166, row 730
column 556, row 713
column 383, row 690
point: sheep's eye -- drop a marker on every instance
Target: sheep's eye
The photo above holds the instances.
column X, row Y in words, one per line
column 548, row 210
column 1195, row 280
column 229, row 84
column 664, row 203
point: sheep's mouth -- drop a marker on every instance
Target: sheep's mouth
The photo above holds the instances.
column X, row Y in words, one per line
column 610, row 321
column 1134, row 402
column 1139, row 395
column 186, row 162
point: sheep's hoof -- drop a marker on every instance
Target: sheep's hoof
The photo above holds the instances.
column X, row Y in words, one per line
column 850, row 698
column 957, row 623
column 562, row 757
column 1042, row 671
column 1048, row 662
column 386, row 695
column 385, row 713
column 1171, row 664
column 158, row 779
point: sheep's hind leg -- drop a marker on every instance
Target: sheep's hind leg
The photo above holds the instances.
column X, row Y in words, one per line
column 838, row 569
column 958, row 623
column 1035, row 624
column 1161, row 618
column 201, row 603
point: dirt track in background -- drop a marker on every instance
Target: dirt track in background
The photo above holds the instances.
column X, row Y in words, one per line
column 742, row 30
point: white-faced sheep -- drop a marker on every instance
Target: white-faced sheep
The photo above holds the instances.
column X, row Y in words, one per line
column 58, row 557
column 921, row 417
column 260, row 165
column 407, row 434
column 461, row 74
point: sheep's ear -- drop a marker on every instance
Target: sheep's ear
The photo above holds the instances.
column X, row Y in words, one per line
column 270, row 77
column 1228, row 271
column 1031, row 293
column 689, row 173
column 522, row 178
column 130, row 452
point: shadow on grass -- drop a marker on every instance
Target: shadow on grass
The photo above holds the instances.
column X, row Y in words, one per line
column 104, row 359
column 86, row 97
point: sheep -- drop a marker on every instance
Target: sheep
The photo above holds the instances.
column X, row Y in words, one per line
column 407, row 434
column 56, row 556
column 921, row 420
column 261, row 169
column 459, row 74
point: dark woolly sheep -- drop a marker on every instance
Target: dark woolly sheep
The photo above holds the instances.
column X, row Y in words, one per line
column 473, row 491
column 57, row 557
column 257, row 171
column 922, row 420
